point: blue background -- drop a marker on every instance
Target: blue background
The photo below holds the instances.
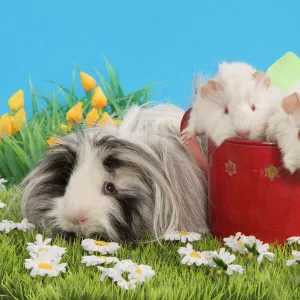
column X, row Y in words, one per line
column 145, row 40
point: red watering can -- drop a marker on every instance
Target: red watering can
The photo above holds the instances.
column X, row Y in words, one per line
column 249, row 191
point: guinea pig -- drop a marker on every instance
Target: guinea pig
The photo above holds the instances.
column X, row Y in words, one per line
column 122, row 183
column 236, row 103
column 284, row 129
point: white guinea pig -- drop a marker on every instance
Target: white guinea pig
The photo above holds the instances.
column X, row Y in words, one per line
column 284, row 129
column 121, row 183
column 236, row 103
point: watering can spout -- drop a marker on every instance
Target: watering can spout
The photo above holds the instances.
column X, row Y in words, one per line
column 193, row 146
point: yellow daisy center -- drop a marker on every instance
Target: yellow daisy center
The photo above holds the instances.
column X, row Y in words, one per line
column 195, row 255
column 43, row 249
column 139, row 271
column 101, row 243
column 45, row 266
column 102, row 256
column 239, row 244
column 250, row 255
column 183, row 233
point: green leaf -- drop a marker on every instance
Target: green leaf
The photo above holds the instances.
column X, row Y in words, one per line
column 64, row 92
column 285, row 72
column 33, row 98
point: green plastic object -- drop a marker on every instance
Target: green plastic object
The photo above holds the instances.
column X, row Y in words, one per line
column 285, row 72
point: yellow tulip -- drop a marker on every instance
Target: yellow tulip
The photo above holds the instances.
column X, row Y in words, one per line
column 74, row 115
column 105, row 115
column 92, row 117
column 87, row 81
column 99, row 100
column 117, row 122
column 52, row 140
column 106, row 119
column 5, row 125
column 65, row 127
column 18, row 121
column 16, row 101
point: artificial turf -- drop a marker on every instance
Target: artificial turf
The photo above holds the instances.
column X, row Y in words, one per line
column 270, row 280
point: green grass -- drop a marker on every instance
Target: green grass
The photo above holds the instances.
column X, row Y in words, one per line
column 20, row 152
column 172, row 280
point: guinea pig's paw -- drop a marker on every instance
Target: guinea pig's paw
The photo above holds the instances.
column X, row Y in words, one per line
column 270, row 136
column 290, row 164
column 187, row 136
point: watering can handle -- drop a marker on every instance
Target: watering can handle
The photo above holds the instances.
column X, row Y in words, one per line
column 193, row 145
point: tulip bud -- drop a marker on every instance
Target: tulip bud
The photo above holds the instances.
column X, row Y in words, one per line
column 5, row 126
column 106, row 119
column 99, row 100
column 74, row 115
column 18, row 121
column 16, row 101
column 52, row 140
column 87, row 81
column 92, row 117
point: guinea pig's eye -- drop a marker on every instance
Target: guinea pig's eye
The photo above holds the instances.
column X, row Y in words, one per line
column 253, row 108
column 108, row 188
column 226, row 111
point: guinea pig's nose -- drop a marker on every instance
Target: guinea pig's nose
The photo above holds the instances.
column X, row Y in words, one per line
column 243, row 134
column 80, row 219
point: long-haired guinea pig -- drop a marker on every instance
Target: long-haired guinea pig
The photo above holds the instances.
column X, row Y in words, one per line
column 284, row 129
column 122, row 183
column 235, row 104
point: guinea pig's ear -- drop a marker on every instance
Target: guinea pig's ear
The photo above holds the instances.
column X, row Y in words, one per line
column 263, row 78
column 210, row 87
column 291, row 103
column 215, row 86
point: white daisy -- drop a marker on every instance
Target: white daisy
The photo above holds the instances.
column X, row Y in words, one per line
column 296, row 260
column 223, row 255
column 128, row 285
column 223, row 260
column 141, row 273
column 190, row 256
column 235, row 244
column 234, row 268
column 126, row 265
column 45, row 263
column 92, row 260
column 293, row 239
column 113, row 273
column 262, row 250
column 39, row 246
column 25, row 225
column 2, row 204
column 2, row 186
column 7, row 226
column 185, row 250
column 137, row 273
column 99, row 246
column 183, row 236
column 249, row 240
column 254, row 246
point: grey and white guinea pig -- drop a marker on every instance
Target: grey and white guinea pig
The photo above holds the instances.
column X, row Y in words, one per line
column 122, row 183
column 236, row 103
column 284, row 129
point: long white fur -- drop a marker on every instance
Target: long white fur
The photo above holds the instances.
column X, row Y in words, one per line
column 180, row 192
column 241, row 91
